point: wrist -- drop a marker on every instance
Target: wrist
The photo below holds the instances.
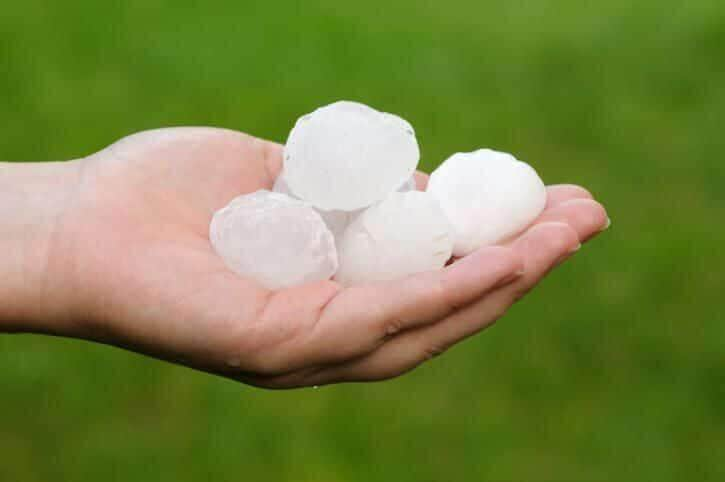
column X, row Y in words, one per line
column 34, row 200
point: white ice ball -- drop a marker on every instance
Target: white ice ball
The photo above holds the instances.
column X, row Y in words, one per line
column 405, row 233
column 274, row 239
column 346, row 156
column 488, row 197
column 336, row 220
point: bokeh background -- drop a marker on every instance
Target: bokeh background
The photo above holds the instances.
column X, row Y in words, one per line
column 613, row 369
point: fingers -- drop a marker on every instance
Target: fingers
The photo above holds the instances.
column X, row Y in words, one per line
column 317, row 324
column 359, row 319
column 542, row 248
column 381, row 330
column 586, row 216
column 559, row 193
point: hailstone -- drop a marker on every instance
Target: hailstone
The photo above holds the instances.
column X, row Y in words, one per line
column 406, row 233
column 346, row 156
column 409, row 185
column 274, row 239
column 336, row 220
column 281, row 186
column 488, row 197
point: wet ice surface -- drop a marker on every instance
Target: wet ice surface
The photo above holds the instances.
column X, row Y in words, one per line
column 405, row 233
column 346, row 156
column 488, row 197
column 274, row 239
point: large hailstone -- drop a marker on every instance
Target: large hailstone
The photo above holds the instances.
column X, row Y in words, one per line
column 405, row 233
column 347, row 156
column 336, row 220
column 274, row 239
column 488, row 197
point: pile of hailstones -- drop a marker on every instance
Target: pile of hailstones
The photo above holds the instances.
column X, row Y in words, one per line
column 345, row 205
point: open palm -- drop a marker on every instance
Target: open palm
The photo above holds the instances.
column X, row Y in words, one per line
column 144, row 275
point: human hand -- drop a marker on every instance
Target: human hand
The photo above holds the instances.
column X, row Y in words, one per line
column 133, row 264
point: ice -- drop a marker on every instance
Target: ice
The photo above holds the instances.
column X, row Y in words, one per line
column 347, row 156
column 408, row 185
column 488, row 197
column 281, row 186
column 274, row 239
column 405, row 233
column 336, row 220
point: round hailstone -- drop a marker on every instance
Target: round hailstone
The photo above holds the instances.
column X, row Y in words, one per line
column 488, row 197
column 273, row 239
column 405, row 233
column 347, row 156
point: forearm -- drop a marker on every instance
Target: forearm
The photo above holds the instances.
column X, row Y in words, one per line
column 33, row 200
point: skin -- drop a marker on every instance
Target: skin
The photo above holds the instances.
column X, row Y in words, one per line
column 114, row 248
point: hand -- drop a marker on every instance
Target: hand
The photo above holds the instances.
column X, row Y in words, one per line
column 138, row 271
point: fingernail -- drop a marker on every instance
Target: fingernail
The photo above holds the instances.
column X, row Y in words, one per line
column 576, row 248
column 608, row 223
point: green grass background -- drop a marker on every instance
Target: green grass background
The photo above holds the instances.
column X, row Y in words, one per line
column 613, row 369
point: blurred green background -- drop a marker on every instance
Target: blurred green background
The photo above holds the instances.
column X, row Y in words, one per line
column 613, row 369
